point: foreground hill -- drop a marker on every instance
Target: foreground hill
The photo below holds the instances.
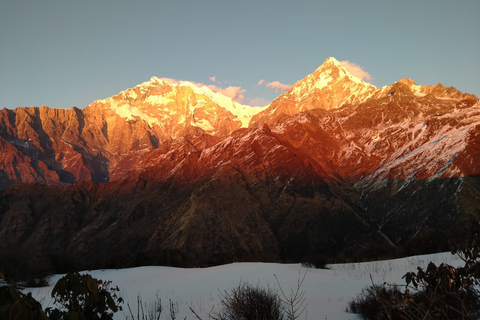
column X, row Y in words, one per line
column 333, row 166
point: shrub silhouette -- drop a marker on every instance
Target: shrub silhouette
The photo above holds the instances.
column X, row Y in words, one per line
column 438, row 292
column 16, row 305
column 80, row 296
column 83, row 297
column 370, row 302
column 250, row 302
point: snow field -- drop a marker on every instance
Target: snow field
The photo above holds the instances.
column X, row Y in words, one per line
column 327, row 292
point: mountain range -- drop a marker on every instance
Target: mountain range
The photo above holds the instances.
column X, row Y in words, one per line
column 173, row 173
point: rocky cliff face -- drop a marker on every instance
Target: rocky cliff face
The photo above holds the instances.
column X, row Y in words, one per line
column 169, row 173
column 61, row 147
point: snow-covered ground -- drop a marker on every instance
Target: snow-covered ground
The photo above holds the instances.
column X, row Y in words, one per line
column 327, row 292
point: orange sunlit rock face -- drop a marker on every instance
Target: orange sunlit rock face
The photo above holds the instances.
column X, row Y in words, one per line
column 328, row 87
column 86, row 145
column 362, row 131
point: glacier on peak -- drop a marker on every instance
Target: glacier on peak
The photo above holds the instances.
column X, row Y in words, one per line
column 130, row 113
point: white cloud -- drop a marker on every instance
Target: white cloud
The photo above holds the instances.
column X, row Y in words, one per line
column 235, row 93
column 356, row 70
column 278, row 86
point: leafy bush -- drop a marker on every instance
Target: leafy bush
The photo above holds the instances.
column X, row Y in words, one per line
column 83, row 297
column 439, row 292
column 80, row 297
column 16, row 305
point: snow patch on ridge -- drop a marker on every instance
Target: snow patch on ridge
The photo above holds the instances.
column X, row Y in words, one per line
column 417, row 90
column 131, row 94
column 158, row 99
column 323, row 81
column 129, row 113
column 203, row 124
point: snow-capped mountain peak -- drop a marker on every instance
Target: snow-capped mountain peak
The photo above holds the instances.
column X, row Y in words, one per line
column 242, row 112
column 329, row 87
column 330, row 63
column 331, row 76
column 172, row 106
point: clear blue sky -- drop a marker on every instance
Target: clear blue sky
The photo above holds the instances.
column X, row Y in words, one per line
column 70, row 53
